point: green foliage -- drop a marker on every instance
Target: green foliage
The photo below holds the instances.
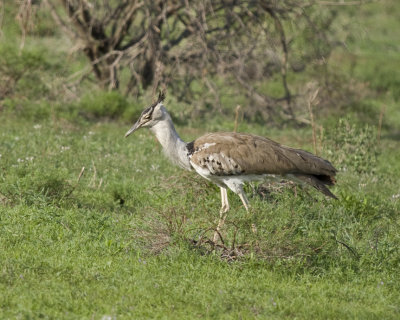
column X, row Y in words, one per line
column 381, row 77
column 44, row 25
column 21, row 72
column 373, row 45
column 352, row 147
column 26, row 109
column 111, row 105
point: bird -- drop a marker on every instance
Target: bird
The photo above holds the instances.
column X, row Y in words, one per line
column 230, row 159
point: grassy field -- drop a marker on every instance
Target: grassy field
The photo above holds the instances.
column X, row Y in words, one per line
column 120, row 242
column 95, row 226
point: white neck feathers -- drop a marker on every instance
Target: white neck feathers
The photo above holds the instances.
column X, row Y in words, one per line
column 174, row 147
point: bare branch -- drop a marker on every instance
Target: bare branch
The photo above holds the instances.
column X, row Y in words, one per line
column 121, row 26
column 61, row 23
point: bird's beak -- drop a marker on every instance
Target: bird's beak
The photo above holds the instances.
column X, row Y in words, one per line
column 135, row 127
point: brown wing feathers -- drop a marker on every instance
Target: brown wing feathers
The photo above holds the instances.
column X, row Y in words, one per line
column 316, row 183
column 257, row 155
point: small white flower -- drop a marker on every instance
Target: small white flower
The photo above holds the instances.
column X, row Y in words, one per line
column 37, row 126
column 20, row 160
column 91, row 133
column 65, row 148
column 16, row 138
column 29, row 158
column 396, row 196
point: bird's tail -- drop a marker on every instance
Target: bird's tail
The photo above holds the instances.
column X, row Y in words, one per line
column 319, row 182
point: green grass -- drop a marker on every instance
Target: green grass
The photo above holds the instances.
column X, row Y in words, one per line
column 127, row 239
column 115, row 243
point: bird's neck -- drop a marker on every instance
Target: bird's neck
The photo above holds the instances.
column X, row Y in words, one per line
column 174, row 147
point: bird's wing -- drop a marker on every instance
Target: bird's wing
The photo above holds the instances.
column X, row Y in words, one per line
column 228, row 153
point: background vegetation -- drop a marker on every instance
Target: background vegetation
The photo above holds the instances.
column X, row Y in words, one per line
column 96, row 226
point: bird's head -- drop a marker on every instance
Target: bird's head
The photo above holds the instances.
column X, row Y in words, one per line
column 151, row 115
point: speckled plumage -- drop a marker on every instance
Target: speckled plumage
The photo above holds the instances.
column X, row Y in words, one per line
column 230, row 159
column 225, row 154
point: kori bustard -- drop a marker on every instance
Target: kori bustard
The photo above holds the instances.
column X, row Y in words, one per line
column 230, row 159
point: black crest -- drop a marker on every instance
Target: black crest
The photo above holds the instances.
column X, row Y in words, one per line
column 161, row 96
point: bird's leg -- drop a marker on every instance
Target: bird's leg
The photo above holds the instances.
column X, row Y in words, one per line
column 238, row 189
column 244, row 199
column 222, row 215
column 224, row 200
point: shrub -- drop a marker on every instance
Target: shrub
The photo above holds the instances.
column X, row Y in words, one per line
column 103, row 105
column 20, row 72
column 24, row 108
